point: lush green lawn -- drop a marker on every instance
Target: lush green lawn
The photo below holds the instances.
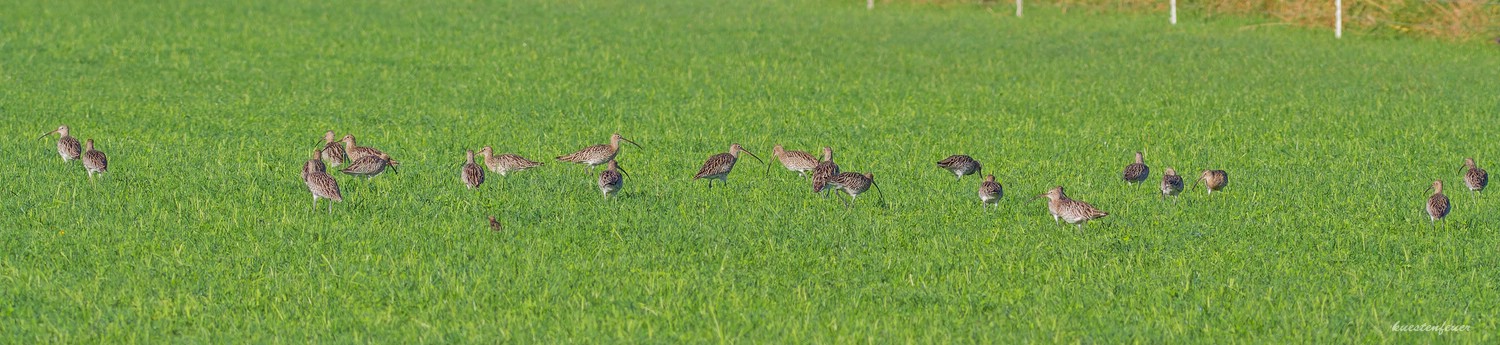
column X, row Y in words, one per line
column 202, row 231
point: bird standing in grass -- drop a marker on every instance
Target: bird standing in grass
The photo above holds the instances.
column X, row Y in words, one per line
column 472, row 175
column 1069, row 210
column 801, row 162
column 718, row 166
column 355, row 152
column 990, row 192
column 1474, row 177
column 611, row 179
column 67, row 146
column 960, row 165
column 795, row 161
column 1171, row 184
column 1437, row 203
column 1137, row 172
column 332, row 151
column 854, row 184
column 319, row 183
column 1213, row 179
column 369, row 166
column 505, row 163
column 825, row 170
column 598, row 154
column 93, row 160
column 495, row 224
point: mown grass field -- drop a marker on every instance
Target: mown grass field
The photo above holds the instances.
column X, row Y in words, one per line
column 202, row 230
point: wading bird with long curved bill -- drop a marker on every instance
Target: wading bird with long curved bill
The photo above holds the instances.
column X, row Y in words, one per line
column 718, row 166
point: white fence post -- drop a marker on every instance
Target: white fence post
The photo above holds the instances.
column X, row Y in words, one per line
column 1338, row 18
column 1018, row 8
column 1174, row 12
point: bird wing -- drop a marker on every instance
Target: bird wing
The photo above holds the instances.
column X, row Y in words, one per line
column 322, row 185
column 719, row 163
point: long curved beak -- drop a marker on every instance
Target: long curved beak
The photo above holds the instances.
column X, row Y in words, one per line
column 631, row 142
column 44, row 136
column 752, row 154
column 1038, row 196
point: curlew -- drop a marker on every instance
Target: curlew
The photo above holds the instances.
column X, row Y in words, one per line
column 369, row 166
column 854, row 184
column 825, row 170
column 1213, row 179
column 1066, row 209
column 471, row 174
column 93, row 160
column 1171, row 184
column 801, row 162
column 611, row 179
column 505, row 163
column 333, row 151
column 1437, row 204
column 319, row 183
column 990, row 192
column 960, row 165
column 598, row 154
column 355, row 152
column 718, row 166
column 315, row 163
column 67, row 146
column 1474, row 177
column 1137, row 172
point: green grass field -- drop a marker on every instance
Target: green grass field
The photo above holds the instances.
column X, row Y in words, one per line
column 202, row 230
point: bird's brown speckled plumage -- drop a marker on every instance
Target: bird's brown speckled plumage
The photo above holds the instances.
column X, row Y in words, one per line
column 505, row 163
column 853, row 184
column 1137, row 172
column 960, row 165
column 93, row 160
column 320, row 184
column 67, row 146
column 801, row 162
column 471, row 174
column 825, row 170
column 990, row 191
column 1171, row 183
column 368, row 166
column 718, row 166
column 333, row 150
column 315, row 163
column 1474, row 177
column 598, row 154
column 355, row 152
column 1437, row 204
column 611, row 179
column 1213, row 179
column 1072, row 211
